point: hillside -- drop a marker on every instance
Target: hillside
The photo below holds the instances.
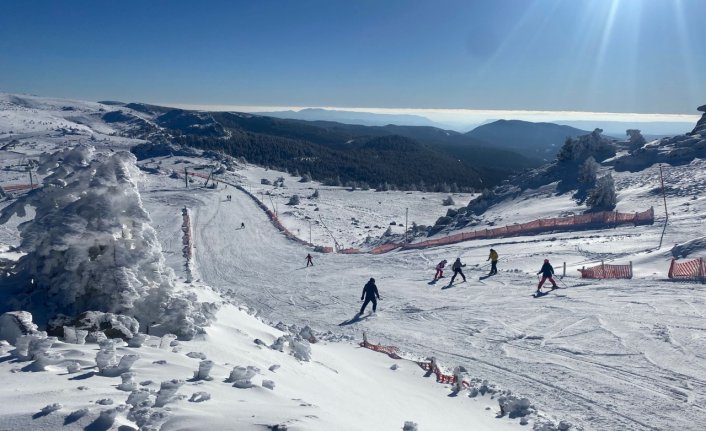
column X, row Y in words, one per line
column 534, row 140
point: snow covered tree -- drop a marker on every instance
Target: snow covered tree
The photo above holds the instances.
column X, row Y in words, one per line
column 294, row 200
column 603, row 196
column 588, row 171
column 448, row 201
column 90, row 245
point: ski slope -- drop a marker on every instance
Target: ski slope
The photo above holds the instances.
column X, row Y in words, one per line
column 602, row 354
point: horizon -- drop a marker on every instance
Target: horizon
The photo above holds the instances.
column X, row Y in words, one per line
column 604, row 56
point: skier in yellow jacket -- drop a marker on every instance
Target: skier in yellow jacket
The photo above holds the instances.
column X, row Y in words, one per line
column 493, row 258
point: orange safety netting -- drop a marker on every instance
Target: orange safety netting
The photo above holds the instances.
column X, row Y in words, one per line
column 607, row 271
column 690, row 270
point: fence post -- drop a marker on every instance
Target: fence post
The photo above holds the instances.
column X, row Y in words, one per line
column 602, row 269
column 701, row 270
column 365, row 338
column 670, row 274
column 630, row 275
column 564, row 273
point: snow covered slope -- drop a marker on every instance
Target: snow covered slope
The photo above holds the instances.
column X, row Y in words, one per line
column 601, row 355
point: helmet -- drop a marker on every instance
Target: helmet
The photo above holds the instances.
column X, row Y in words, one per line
column 372, row 280
column 546, row 260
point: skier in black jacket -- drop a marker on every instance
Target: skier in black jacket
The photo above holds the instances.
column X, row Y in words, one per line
column 370, row 292
column 547, row 271
column 457, row 270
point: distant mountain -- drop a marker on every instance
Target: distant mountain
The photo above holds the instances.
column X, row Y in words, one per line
column 352, row 117
column 533, row 140
column 404, row 156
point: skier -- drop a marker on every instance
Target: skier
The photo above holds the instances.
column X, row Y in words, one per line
column 493, row 258
column 370, row 292
column 547, row 271
column 457, row 269
column 308, row 260
column 242, row 225
column 440, row 269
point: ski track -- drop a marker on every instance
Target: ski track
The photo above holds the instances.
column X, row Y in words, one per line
column 584, row 355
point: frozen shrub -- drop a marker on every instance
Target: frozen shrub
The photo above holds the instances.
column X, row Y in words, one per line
column 410, row 426
column 308, row 334
column 75, row 336
column 105, row 357
column 269, row 384
column 266, row 182
column 137, row 341
column 240, row 376
column 128, row 383
column 315, row 194
column 167, row 392
column 15, row 324
column 138, row 397
column 31, row 347
column 204, row 370
column 73, row 367
column 448, row 201
column 196, row 355
column 274, row 368
column 166, row 341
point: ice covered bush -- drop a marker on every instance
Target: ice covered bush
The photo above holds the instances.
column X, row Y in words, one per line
column 410, row 426
column 31, row 347
column 301, row 350
column 107, row 362
column 240, row 376
column 269, row 384
column 90, row 246
column 128, row 383
column 204, row 370
column 75, row 336
column 167, row 392
column 51, row 408
column 15, row 324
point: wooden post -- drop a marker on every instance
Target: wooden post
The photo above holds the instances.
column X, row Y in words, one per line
column 701, row 270
column 564, row 272
column 630, row 269
column 602, row 269
column 186, row 177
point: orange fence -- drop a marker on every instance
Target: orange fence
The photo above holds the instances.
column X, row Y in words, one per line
column 603, row 219
column 607, row 271
column 18, row 187
column 430, row 365
column 690, row 270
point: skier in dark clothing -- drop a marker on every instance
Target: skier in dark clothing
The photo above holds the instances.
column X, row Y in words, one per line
column 457, row 269
column 370, row 292
column 547, row 271
column 308, row 260
column 242, row 225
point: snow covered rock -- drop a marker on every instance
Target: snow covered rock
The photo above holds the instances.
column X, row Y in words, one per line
column 112, row 325
column 410, row 426
column 14, row 324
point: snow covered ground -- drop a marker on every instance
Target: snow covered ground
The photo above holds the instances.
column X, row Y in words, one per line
column 601, row 355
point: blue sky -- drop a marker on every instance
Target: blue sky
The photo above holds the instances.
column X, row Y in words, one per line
column 643, row 56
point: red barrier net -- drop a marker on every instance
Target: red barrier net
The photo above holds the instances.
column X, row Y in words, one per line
column 607, row 271
column 689, row 270
column 390, row 351
column 17, row 187
column 602, row 219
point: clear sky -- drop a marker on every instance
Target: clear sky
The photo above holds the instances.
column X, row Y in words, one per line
column 642, row 56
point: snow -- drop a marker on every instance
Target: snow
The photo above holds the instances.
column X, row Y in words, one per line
column 594, row 355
